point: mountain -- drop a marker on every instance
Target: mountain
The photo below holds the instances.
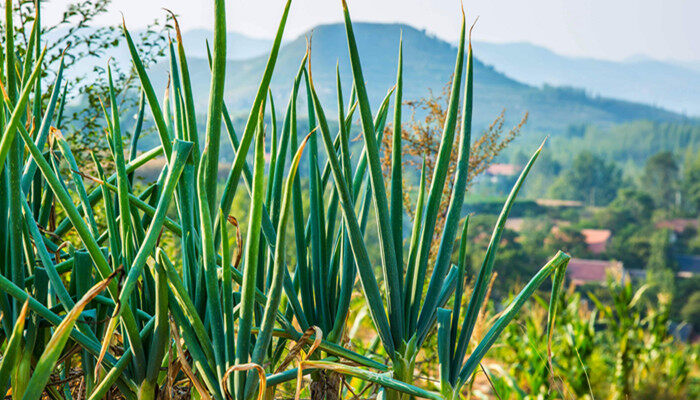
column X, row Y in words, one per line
column 671, row 85
column 692, row 64
column 428, row 66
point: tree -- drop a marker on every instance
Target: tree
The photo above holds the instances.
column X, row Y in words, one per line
column 691, row 184
column 589, row 179
column 421, row 138
column 691, row 310
column 630, row 207
column 631, row 246
column 660, row 251
column 568, row 239
column 660, row 179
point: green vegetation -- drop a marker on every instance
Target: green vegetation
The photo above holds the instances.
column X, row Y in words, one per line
column 180, row 312
column 651, row 217
column 619, row 347
column 627, row 143
column 590, row 179
column 115, row 288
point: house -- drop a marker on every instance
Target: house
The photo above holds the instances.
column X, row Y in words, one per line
column 677, row 226
column 501, row 174
column 497, row 169
column 582, row 271
column 597, row 240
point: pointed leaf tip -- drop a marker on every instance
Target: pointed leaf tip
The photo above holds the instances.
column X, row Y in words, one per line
column 471, row 29
column 178, row 33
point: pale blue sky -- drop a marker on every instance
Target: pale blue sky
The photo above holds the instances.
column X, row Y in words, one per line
column 610, row 29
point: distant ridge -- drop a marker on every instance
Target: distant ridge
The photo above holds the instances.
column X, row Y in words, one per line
column 639, row 78
column 428, row 65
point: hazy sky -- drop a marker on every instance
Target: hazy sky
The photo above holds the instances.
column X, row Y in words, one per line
column 611, row 29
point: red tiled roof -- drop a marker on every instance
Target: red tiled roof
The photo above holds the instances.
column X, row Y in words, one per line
column 502, row 169
column 677, row 225
column 582, row 271
column 596, row 239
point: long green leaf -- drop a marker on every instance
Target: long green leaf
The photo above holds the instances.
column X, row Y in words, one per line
column 147, row 87
column 161, row 335
column 10, row 71
column 188, row 98
column 444, row 345
column 347, row 280
column 396, row 200
column 227, row 293
column 249, row 131
column 459, row 290
column 364, row 266
column 392, row 276
column 437, row 184
column 275, row 290
column 216, row 98
column 484, row 275
column 213, row 305
column 122, row 179
column 250, row 271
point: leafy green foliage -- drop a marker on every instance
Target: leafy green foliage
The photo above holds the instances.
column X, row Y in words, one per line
column 595, row 356
column 590, row 179
column 205, row 318
column 660, row 176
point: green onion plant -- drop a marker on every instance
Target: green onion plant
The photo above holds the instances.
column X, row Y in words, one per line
column 138, row 286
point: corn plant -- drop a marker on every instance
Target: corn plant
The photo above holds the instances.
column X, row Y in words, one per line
column 591, row 361
column 574, row 343
column 624, row 318
column 644, row 359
